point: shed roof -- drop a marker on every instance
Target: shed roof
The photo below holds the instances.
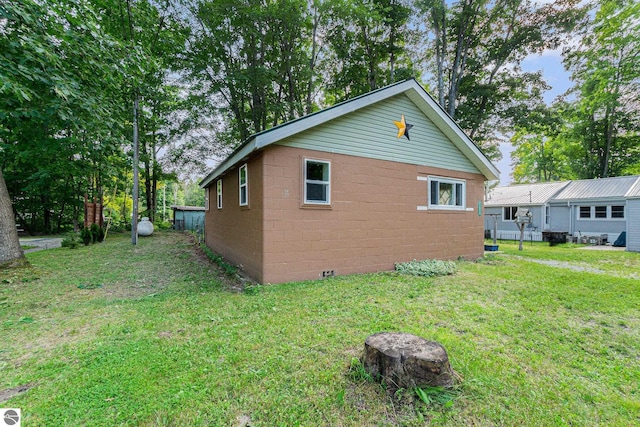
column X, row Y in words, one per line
column 187, row 208
column 524, row 194
column 602, row 188
column 411, row 88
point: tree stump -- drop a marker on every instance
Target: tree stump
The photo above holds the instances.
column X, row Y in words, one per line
column 406, row 361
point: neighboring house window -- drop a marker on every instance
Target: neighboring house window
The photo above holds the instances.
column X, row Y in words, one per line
column 244, row 186
column 317, row 182
column 585, row 212
column 547, row 215
column 446, row 193
column 219, row 194
column 509, row 213
column 617, row 212
column 601, row 211
column 206, row 199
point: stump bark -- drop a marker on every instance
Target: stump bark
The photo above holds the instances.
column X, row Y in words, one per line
column 405, row 361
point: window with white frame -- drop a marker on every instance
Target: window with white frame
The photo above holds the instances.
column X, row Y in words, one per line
column 219, row 194
column 446, row 193
column 601, row 212
column 317, row 182
column 585, row 212
column 206, row 199
column 617, row 212
column 243, row 181
column 547, row 215
column 509, row 213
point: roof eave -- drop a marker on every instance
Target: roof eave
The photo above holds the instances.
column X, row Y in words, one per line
column 411, row 88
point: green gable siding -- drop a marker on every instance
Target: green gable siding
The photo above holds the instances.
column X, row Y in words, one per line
column 371, row 133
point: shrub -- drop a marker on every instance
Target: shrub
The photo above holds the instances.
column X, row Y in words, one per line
column 71, row 240
column 86, row 235
column 427, row 267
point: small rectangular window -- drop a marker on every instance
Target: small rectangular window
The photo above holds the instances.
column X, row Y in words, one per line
column 509, row 213
column 547, row 214
column 317, row 182
column 601, row 211
column 617, row 211
column 585, row 211
column 219, row 194
column 206, row 199
column 244, row 185
column 446, row 193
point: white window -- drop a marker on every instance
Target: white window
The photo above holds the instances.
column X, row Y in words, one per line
column 617, row 212
column 219, row 194
column 585, row 212
column 206, row 199
column 317, row 182
column 243, row 185
column 601, row 211
column 446, row 193
column 509, row 213
column 547, row 215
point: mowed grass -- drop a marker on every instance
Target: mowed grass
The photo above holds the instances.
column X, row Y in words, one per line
column 113, row 334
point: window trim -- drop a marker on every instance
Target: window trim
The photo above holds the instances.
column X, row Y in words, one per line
column 593, row 210
column 618, row 218
column 513, row 210
column 547, row 215
column 206, row 198
column 219, row 193
column 454, row 182
column 245, row 185
column 305, row 181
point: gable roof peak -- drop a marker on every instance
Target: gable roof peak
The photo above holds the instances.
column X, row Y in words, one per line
column 411, row 88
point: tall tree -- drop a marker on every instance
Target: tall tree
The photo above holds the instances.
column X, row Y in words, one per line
column 604, row 126
column 477, row 48
column 252, row 62
column 367, row 50
column 57, row 77
column 10, row 250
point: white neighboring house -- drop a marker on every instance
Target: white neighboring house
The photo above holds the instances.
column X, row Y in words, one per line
column 633, row 219
column 592, row 210
column 503, row 203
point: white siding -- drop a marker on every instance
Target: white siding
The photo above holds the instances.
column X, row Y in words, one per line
column 370, row 132
column 633, row 225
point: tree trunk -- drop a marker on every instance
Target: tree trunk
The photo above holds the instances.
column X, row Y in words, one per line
column 136, row 178
column 10, row 251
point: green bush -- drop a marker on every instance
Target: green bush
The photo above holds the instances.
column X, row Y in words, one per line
column 427, row 267
column 86, row 235
column 71, row 240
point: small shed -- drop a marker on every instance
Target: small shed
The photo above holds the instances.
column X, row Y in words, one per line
column 188, row 218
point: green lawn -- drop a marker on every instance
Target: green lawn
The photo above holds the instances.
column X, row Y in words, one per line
column 112, row 334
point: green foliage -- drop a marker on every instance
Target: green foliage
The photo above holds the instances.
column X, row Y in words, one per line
column 71, row 240
column 427, row 268
column 357, row 372
column 228, row 269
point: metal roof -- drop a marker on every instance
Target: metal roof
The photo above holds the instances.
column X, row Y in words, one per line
column 635, row 191
column 187, row 208
column 410, row 87
column 524, row 194
column 601, row 188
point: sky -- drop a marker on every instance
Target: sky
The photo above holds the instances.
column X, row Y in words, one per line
column 550, row 62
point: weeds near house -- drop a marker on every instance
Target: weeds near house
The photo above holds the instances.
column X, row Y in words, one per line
column 115, row 334
column 228, row 269
column 427, row 268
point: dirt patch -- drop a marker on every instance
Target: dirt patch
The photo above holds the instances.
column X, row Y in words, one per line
column 13, row 392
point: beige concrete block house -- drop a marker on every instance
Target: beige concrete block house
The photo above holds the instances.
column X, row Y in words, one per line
column 338, row 192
